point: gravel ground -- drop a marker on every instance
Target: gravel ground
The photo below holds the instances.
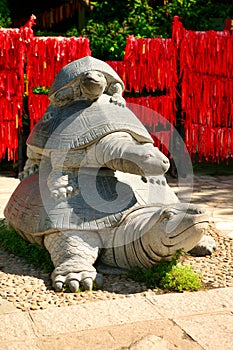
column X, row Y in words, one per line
column 30, row 288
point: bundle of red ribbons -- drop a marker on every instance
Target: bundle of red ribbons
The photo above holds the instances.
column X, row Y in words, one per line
column 206, row 71
column 46, row 56
column 207, row 100
column 11, row 90
column 212, row 144
column 152, row 64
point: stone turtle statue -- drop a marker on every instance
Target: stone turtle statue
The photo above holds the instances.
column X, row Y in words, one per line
column 99, row 195
column 87, row 78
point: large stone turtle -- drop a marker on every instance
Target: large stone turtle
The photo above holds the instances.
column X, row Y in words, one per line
column 100, row 194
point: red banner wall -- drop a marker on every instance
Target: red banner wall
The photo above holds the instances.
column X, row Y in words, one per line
column 206, row 73
column 11, row 90
column 149, row 70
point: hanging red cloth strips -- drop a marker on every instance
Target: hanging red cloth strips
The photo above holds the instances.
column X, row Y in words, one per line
column 152, row 68
column 206, row 68
column 37, row 104
column 152, row 64
column 46, row 57
column 158, row 114
column 122, row 69
column 178, row 31
column 11, row 91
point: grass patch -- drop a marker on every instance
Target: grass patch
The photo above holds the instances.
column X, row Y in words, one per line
column 171, row 276
column 31, row 252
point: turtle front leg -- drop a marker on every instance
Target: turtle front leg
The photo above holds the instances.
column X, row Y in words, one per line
column 73, row 255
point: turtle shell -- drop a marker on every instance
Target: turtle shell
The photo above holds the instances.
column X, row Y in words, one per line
column 82, row 123
column 32, row 212
column 73, row 70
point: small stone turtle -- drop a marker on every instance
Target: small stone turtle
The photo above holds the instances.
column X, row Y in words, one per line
column 86, row 78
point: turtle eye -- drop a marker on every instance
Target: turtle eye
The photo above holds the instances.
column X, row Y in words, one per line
column 168, row 215
column 148, row 156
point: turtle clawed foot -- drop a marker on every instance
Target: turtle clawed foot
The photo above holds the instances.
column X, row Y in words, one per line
column 206, row 246
column 62, row 193
column 76, row 280
column 118, row 100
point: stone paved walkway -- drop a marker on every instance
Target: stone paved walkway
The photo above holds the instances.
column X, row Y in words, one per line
column 183, row 321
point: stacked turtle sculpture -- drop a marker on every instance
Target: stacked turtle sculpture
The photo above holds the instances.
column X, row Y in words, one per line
column 93, row 190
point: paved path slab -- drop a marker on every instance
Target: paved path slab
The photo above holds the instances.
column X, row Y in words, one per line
column 93, row 315
column 211, row 331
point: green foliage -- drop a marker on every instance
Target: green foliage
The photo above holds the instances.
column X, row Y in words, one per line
column 5, row 20
column 41, row 90
column 168, row 275
column 109, row 23
column 195, row 14
column 181, row 278
column 32, row 252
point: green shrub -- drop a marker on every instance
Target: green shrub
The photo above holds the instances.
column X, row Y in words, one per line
column 168, row 275
column 44, row 90
column 181, row 278
column 110, row 23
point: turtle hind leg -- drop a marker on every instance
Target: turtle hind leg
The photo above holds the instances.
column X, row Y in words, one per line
column 73, row 255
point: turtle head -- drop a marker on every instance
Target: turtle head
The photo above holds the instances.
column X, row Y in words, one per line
column 178, row 227
column 92, row 84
